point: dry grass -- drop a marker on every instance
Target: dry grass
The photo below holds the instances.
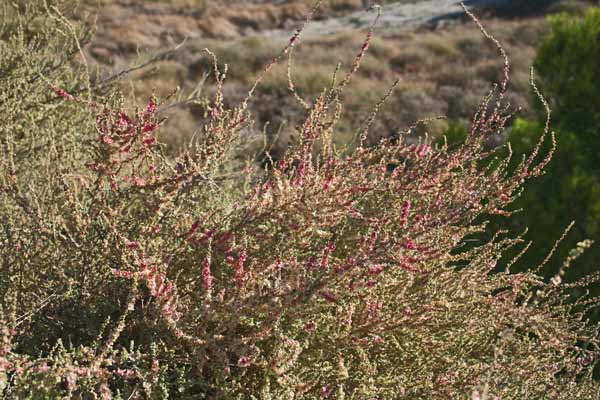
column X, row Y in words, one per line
column 443, row 73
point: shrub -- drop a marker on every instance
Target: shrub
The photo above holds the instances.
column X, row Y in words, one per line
column 571, row 188
column 568, row 192
column 567, row 63
column 326, row 275
column 244, row 59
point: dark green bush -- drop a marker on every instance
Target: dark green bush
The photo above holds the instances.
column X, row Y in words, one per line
column 567, row 64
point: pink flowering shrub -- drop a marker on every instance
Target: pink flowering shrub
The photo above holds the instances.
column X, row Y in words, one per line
column 333, row 273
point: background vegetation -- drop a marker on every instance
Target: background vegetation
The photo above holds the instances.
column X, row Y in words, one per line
column 570, row 189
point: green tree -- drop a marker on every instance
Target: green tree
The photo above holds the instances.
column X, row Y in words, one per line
column 569, row 62
column 567, row 65
column 569, row 191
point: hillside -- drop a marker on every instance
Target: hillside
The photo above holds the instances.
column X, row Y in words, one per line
column 444, row 64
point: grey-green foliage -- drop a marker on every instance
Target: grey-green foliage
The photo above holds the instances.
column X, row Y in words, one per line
column 127, row 274
column 40, row 134
column 38, row 49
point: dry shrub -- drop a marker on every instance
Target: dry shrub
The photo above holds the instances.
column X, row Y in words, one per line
column 332, row 273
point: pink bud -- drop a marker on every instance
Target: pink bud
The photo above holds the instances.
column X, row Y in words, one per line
column 405, row 211
column 281, row 165
column 149, row 127
column 137, row 181
column 206, row 274
column 151, row 107
column 244, row 362
column 63, row 94
column 239, row 269
column 409, row 244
